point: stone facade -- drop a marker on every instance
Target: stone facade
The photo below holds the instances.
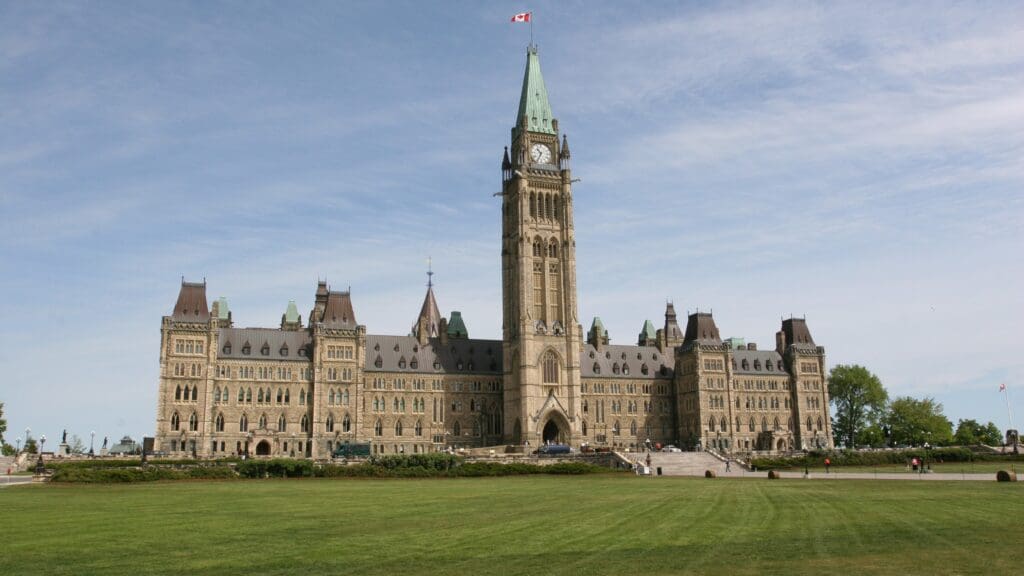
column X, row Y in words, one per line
column 304, row 390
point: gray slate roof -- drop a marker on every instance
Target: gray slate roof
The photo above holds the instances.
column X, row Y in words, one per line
column 256, row 337
column 610, row 355
column 757, row 362
column 457, row 357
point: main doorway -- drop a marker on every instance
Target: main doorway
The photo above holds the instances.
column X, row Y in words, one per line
column 553, row 434
column 263, row 448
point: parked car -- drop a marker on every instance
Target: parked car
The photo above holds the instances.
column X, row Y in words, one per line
column 670, row 448
column 554, row 449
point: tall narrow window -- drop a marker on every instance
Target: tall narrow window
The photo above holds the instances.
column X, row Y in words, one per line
column 220, row 423
column 346, row 424
column 550, row 366
column 175, row 421
column 304, row 425
column 457, row 429
column 282, row 424
column 243, row 423
column 193, row 422
column 398, row 428
column 419, row 428
column 330, row 423
column 378, row 428
column 263, row 422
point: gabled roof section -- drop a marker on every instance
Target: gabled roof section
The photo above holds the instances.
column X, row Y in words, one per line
column 385, row 353
column 647, row 333
column 338, row 311
column 533, row 102
column 618, row 361
column 191, row 305
column 430, row 314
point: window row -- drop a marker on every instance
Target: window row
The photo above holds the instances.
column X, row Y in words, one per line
column 188, row 346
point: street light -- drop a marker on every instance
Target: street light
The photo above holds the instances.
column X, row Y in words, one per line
column 92, row 442
column 39, row 463
column 19, row 446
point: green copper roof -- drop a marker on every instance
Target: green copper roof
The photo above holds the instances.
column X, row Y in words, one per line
column 291, row 315
column 648, row 332
column 222, row 308
column 456, row 327
column 533, row 103
column 599, row 325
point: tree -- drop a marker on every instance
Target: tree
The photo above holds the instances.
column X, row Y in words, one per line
column 969, row 432
column 3, row 424
column 76, row 446
column 916, row 422
column 30, row 445
column 859, row 400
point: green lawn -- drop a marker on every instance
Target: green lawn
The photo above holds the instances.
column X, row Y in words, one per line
column 945, row 467
column 605, row 524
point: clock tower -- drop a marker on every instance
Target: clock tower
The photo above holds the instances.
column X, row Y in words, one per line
column 541, row 331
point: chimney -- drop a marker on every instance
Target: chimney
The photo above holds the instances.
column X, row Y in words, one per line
column 780, row 342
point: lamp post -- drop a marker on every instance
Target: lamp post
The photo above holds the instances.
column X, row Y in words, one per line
column 19, row 446
column 92, row 442
column 39, row 463
column 28, row 436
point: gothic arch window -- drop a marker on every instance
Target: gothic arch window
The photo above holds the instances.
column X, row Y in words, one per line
column 558, row 210
column 379, row 362
column 216, row 394
column 586, row 406
column 330, row 423
column 533, row 205
column 775, row 425
column 809, row 424
column 401, row 362
column 457, row 429
column 177, row 392
column 263, row 422
column 302, row 397
column 378, row 428
column 553, row 249
column 243, row 423
column 280, row 396
column 241, row 395
column 616, row 428
column 615, row 368
column 764, row 424
column 583, row 427
column 346, row 423
column 537, row 250
column 219, row 423
column 175, row 421
column 711, row 424
column 722, row 424
column 751, row 425
column 419, row 428
column 819, row 424
column 632, row 428
column 287, row 396
column 259, row 395
column 304, row 423
column 597, row 368
column 193, row 422
column 550, row 368
column 282, row 424
column 739, row 424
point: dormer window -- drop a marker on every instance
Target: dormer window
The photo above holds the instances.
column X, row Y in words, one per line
column 597, row 368
column 401, row 362
column 246, row 349
column 284, row 350
column 397, row 348
column 745, row 364
column 227, row 348
column 608, row 355
column 664, row 370
column 625, row 369
column 437, row 365
column 379, row 362
column 757, row 364
column 644, row 369
column 615, row 368
column 265, row 350
column 414, row 363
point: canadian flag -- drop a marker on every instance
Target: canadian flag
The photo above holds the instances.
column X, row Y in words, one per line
column 1002, row 387
column 524, row 17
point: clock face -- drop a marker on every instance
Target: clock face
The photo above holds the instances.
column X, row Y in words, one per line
column 540, row 154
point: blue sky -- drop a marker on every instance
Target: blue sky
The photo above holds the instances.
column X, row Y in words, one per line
column 858, row 164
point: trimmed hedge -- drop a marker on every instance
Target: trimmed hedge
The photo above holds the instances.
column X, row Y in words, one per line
column 856, row 458
column 110, row 475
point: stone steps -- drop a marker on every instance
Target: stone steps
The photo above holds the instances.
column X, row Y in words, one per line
column 684, row 463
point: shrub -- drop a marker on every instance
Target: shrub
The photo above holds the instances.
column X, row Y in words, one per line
column 277, row 468
column 1006, row 476
column 710, row 474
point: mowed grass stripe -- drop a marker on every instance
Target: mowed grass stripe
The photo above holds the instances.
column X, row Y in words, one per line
column 553, row 525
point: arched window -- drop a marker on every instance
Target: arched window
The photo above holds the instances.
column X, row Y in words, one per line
column 739, row 424
column 553, row 249
column 177, row 392
column 616, row 429
column 193, row 422
column 330, row 423
column 259, row 395
column 220, row 423
column 625, row 369
column 751, row 425
column 457, row 429
column 550, row 368
column 586, row 406
column 344, row 399
column 378, row 428
column 263, row 422
column 216, row 394
column 722, row 424
column 419, row 428
column 282, row 424
column 379, row 362
column 632, row 428
column 775, row 425
column 819, row 424
column 615, row 368
column 597, row 368
column 241, row 395
column 809, row 424
column 711, row 424
column 538, row 251
column 243, row 423
column 304, row 423
column 583, row 428
column 302, row 397
column 248, row 395
column 175, row 421
column 346, row 424
column 644, row 370
column 533, row 205
column 280, row 396
column 287, row 396
column 745, row 364
column 330, row 397
column 398, row 428
column 764, row 424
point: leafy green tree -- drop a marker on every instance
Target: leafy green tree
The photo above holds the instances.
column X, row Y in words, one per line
column 970, row 432
column 30, row 445
column 76, row 445
column 871, row 435
column 915, row 422
column 3, row 424
column 859, row 399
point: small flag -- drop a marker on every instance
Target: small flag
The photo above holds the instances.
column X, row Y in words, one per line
column 524, row 17
column 1002, row 387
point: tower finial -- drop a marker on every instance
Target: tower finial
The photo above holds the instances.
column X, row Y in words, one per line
column 430, row 272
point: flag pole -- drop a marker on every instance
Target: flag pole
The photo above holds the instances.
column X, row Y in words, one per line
column 1009, row 415
column 531, row 28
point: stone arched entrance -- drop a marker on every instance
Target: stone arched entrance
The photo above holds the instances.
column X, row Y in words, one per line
column 555, row 431
column 263, row 448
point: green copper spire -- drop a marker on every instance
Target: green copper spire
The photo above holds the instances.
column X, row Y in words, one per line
column 456, row 326
column 533, row 103
column 291, row 314
column 648, row 333
column 222, row 308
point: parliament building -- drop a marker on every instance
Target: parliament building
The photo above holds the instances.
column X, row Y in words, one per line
column 307, row 388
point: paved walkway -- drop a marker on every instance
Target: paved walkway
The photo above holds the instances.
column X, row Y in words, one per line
column 14, row 480
column 908, row 476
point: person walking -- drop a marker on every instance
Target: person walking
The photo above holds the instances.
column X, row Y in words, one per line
column 828, row 463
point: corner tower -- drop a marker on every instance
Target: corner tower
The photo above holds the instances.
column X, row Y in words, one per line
column 541, row 331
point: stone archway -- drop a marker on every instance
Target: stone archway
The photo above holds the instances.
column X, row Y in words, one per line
column 555, row 430
column 263, row 448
